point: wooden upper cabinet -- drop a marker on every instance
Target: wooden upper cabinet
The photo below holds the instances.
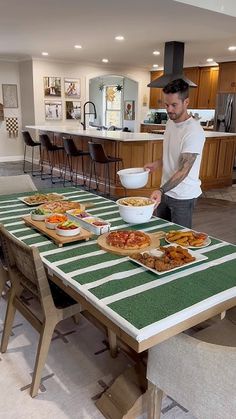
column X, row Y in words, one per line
column 192, row 73
column 208, row 83
column 227, row 77
column 156, row 96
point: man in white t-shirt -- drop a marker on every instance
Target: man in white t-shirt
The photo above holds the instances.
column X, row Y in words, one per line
column 182, row 151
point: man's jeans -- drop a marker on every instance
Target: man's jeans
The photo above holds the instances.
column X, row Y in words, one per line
column 179, row 211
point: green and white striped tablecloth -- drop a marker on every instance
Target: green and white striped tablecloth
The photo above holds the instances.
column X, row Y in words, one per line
column 137, row 300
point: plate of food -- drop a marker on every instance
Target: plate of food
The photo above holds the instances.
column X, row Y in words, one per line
column 125, row 242
column 39, row 214
column 188, row 238
column 40, row 198
column 53, row 220
column 67, row 229
column 60, row 207
column 172, row 257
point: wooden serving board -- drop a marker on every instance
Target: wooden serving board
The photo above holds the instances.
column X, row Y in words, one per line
column 58, row 240
column 155, row 242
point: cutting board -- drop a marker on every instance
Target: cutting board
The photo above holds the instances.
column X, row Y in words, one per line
column 58, row 240
column 155, row 242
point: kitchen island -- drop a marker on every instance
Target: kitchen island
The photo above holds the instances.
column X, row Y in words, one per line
column 136, row 149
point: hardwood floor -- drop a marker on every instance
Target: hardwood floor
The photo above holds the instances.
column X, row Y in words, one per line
column 213, row 216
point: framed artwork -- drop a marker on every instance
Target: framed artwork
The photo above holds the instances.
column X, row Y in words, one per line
column 52, row 86
column 53, row 110
column 129, row 111
column 72, row 88
column 9, row 95
column 73, row 109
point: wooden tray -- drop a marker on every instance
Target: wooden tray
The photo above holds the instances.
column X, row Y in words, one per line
column 58, row 240
column 155, row 242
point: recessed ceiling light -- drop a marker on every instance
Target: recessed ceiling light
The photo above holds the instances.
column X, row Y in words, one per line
column 105, row 60
column 156, row 52
column 155, row 65
column 45, row 53
column 119, row 38
column 77, row 46
column 232, row 48
column 209, row 60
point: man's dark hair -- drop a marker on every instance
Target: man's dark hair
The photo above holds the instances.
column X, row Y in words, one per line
column 178, row 86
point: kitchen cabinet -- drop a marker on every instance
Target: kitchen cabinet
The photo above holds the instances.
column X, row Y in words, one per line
column 193, row 73
column 208, row 83
column 227, row 77
column 151, row 127
column 156, row 95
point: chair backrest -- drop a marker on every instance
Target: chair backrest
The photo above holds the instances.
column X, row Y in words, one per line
column 46, row 142
column 14, row 184
column 28, row 139
column 97, row 152
column 26, row 268
column 70, row 147
column 197, row 374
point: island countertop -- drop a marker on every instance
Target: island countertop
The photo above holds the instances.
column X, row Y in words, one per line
column 117, row 135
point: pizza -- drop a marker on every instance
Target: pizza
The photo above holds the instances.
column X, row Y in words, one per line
column 128, row 239
column 60, row 207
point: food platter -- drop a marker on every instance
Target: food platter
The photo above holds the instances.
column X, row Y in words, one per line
column 204, row 242
column 38, row 199
column 198, row 257
column 60, row 207
column 58, row 240
column 154, row 243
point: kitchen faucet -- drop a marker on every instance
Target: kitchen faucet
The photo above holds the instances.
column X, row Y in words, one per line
column 88, row 113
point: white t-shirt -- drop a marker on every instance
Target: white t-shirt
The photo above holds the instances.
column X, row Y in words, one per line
column 183, row 137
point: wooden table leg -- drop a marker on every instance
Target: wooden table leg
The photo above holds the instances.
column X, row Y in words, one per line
column 112, row 343
column 154, row 399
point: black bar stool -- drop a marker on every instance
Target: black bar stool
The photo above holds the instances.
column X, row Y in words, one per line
column 73, row 153
column 28, row 140
column 98, row 155
column 52, row 151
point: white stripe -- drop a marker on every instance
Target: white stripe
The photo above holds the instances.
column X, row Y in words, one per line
column 29, row 236
column 15, row 210
column 161, row 281
column 75, row 258
column 19, row 229
column 40, row 243
column 212, row 247
column 107, row 213
column 185, row 314
column 119, row 227
column 14, row 224
column 96, row 267
column 101, row 208
column 12, row 217
column 9, row 200
column 62, row 249
column 113, row 277
column 12, row 205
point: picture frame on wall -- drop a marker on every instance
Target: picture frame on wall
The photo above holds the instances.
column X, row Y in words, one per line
column 129, row 110
column 72, row 88
column 73, row 109
column 52, row 86
column 53, row 110
column 9, row 96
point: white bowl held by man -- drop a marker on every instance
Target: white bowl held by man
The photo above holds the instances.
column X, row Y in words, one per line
column 136, row 210
column 133, row 178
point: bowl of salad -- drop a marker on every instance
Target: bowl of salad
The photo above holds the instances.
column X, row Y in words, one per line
column 68, row 229
column 39, row 214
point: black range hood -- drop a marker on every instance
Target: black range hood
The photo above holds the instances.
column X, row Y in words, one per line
column 173, row 65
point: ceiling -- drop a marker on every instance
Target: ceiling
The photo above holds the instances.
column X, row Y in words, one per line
column 28, row 27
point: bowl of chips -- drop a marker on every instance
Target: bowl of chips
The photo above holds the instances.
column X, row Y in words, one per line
column 136, row 209
column 133, row 178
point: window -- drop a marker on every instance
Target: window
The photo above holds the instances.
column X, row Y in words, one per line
column 112, row 106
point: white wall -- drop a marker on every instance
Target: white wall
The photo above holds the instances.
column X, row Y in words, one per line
column 11, row 148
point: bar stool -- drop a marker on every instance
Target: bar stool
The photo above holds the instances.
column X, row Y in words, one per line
column 73, row 153
column 28, row 140
column 98, row 155
column 52, row 151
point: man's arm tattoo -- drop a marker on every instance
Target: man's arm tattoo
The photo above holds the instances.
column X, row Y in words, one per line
column 185, row 165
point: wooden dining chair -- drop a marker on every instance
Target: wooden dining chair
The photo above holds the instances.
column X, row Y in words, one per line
column 197, row 371
column 27, row 272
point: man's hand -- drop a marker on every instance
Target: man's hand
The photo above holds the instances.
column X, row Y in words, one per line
column 156, row 196
column 153, row 166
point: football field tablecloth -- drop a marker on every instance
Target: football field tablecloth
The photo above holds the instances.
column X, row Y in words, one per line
column 134, row 298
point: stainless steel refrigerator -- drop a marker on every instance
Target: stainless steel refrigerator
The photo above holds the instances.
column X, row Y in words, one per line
column 225, row 115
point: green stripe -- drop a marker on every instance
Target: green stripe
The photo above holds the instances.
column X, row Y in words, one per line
column 91, row 261
column 153, row 305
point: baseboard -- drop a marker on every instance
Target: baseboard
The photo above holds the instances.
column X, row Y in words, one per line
column 4, row 159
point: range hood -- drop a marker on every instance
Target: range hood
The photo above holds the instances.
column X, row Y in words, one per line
column 173, row 65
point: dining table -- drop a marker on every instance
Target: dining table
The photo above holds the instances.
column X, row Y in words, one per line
column 139, row 306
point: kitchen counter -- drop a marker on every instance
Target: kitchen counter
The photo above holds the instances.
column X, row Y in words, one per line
column 136, row 149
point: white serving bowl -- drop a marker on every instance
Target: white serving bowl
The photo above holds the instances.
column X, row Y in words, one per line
column 136, row 214
column 133, row 178
column 38, row 217
column 52, row 225
column 68, row 233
